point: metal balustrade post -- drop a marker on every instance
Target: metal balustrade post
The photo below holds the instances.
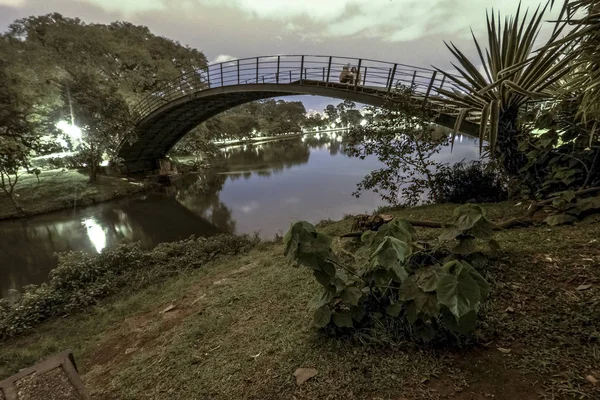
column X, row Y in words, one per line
column 290, row 76
column 430, row 84
column 306, row 73
column 357, row 73
column 277, row 76
column 323, row 74
column 222, row 75
column 238, row 71
column 208, row 75
column 301, row 68
column 257, row 70
column 328, row 70
column 364, row 79
column 413, row 80
column 392, row 75
column 443, row 80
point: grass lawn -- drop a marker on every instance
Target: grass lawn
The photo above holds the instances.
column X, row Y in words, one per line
column 240, row 327
column 60, row 189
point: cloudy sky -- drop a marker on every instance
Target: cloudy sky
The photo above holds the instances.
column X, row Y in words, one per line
column 404, row 31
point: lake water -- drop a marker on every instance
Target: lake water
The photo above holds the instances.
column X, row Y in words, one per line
column 260, row 188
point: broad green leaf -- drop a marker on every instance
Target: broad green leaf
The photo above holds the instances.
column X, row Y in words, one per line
column 464, row 325
column 351, row 295
column 303, row 244
column 322, row 317
column 484, row 287
column 449, row 233
column 408, row 289
column 483, row 229
column 399, row 273
column 323, row 298
column 427, row 303
column 397, row 228
column 587, row 204
column 466, row 245
column 591, row 219
column 427, row 279
column 329, row 269
column 394, row 309
column 391, row 252
column 458, row 290
column 343, row 319
column 466, row 216
column 560, row 219
column 322, row 278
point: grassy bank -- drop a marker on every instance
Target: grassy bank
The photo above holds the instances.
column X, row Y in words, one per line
column 58, row 189
column 238, row 327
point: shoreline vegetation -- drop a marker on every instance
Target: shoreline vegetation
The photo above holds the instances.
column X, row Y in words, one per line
column 227, row 317
column 61, row 189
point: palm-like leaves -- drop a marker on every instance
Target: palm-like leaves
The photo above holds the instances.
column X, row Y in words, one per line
column 584, row 15
column 512, row 72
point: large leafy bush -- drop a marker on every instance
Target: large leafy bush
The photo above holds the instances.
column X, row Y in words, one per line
column 413, row 288
column 474, row 182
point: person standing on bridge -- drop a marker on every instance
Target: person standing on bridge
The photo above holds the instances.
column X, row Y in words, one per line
column 355, row 76
column 345, row 75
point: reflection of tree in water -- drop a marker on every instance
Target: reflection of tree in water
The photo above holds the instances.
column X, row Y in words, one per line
column 200, row 194
column 262, row 159
column 333, row 142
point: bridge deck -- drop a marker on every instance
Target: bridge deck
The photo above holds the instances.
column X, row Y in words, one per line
column 165, row 116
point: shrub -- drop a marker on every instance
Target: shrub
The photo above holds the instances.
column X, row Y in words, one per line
column 414, row 289
column 473, row 182
column 81, row 279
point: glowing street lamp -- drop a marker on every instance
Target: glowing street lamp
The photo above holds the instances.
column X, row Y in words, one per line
column 73, row 131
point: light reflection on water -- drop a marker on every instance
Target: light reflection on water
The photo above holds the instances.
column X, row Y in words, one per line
column 253, row 188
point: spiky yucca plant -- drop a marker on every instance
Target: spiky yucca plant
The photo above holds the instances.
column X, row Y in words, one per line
column 514, row 73
column 584, row 16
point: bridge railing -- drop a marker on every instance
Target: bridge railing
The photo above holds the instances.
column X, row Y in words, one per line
column 297, row 69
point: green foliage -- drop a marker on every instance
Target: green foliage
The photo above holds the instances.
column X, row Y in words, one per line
column 469, row 224
column 473, row 182
column 566, row 156
column 395, row 282
column 514, row 73
column 81, row 279
column 569, row 209
column 404, row 139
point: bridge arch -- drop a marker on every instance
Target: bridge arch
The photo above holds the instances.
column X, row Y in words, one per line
column 167, row 115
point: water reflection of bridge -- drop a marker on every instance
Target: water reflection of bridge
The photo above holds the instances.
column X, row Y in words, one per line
column 168, row 114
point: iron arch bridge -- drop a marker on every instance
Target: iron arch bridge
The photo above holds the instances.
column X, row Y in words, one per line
column 167, row 115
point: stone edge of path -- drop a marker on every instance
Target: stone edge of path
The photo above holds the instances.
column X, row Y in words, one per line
column 64, row 360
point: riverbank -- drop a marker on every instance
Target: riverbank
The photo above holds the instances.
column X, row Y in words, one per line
column 237, row 327
column 64, row 189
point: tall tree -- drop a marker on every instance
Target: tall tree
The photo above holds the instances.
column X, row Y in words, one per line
column 102, row 115
column 129, row 56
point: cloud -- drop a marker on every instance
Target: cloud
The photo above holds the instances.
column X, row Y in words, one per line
column 221, row 58
column 12, row 3
column 390, row 20
column 128, row 6
column 317, row 20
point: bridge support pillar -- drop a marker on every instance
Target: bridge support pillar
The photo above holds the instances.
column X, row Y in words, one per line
column 161, row 166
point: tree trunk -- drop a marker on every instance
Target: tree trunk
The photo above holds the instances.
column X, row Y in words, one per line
column 507, row 143
column 93, row 171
